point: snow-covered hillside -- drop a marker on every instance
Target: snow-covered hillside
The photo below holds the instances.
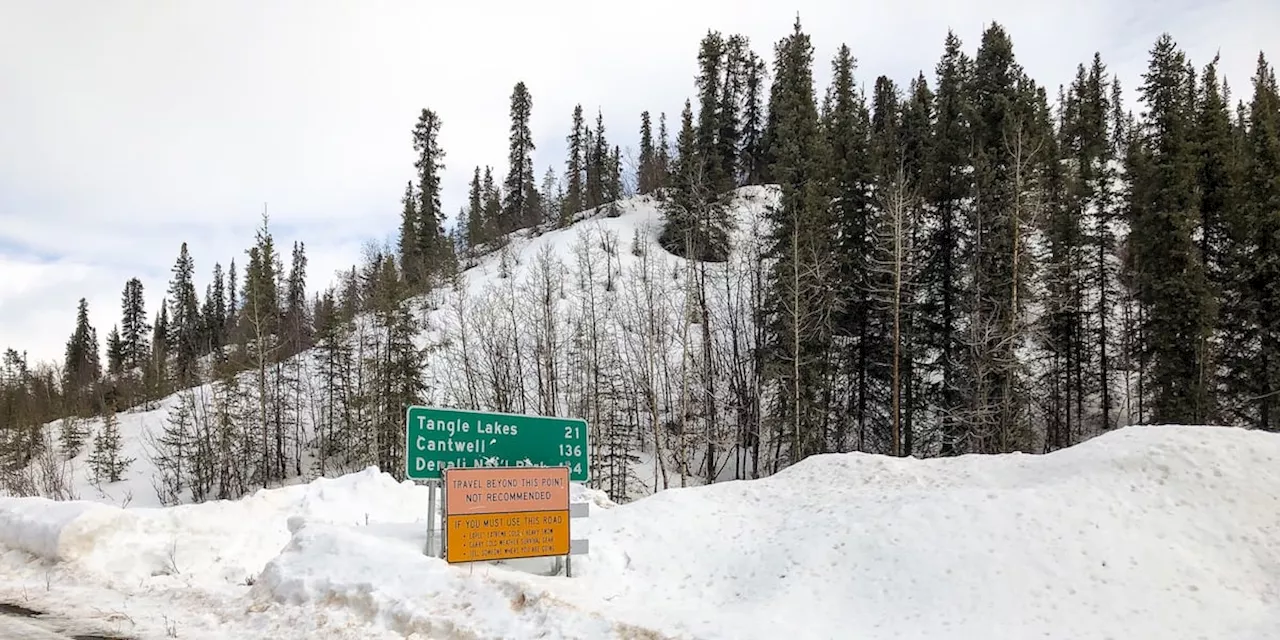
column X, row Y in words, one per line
column 517, row 318
column 1146, row 532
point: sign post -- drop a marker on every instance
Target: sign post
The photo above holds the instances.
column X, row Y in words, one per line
column 438, row 439
column 505, row 513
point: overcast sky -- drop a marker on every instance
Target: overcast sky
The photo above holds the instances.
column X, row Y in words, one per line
column 127, row 128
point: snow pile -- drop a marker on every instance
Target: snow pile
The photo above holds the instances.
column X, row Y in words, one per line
column 1157, row 532
column 227, row 541
column 397, row 587
column 47, row 528
column 1148, row 532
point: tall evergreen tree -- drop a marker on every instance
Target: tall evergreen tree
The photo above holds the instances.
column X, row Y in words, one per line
column 521, row 205
column 410, row 253
column 233, row 303
column 1263, row 211
column 738, row 59
column 1169, row 272
column 697, row 219
column 134, row 328
column 184, row 317
column 1010, row 125
column 575, row 169
column 946, row 188
column 115, row 352
column 799, row 301
column 297, row 323
column 477, row 226
column 846, row 128
column 647, row 173
column 663, row 152
column 596, row 164
column 81, row 367
column 492, row 203
column 751, row 160
column 1218, row 189
column 711, row 90
column 437, row 259
column 214, row 313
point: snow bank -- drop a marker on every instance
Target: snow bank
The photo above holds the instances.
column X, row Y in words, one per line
column 47, row 528
column 1169, row 532
column 1148, row 532
column 227, row 541
column 397, row 587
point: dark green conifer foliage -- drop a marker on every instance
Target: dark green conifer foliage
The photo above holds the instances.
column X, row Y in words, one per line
column 1008, row 147
column 800, row 300
column 184, row 317
column 520, row 207
column 648, row 178
column 1168, row 270
column 575, row 167
column 943, row 288
column 1263, row 189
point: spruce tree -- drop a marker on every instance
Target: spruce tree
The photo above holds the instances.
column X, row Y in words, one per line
column 436, row 256
column 738, row 58
column 81, row 367
column 575, row 169
column 1009, row 134
column 184, row 318
column 410, row 254
column 1218, row 187
column 476, row 224
column 134, row 328
column 262, row 319
column 697, row 220
column 663, row 152
column 520, row 207
column 647, row 178
column 751, row 160
column 596, row 164
column 901, row 251
column 214, row 313
column 846, row 127
column 115, row 352
column 233, row 304
column 799, row 300
column 1169, row 272
column 107, row 462
column 1263, row 189
column 710, row 84
column 72, row 434
column 297, row 323
column 492, row 204
column 947, row 188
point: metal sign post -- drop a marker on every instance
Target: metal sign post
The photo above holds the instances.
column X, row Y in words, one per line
column 432, row 519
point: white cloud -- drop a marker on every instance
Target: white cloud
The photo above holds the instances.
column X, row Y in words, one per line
column 129, row 127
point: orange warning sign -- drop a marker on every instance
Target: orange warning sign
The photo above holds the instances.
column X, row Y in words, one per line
column 476, row 490
column 506, row 536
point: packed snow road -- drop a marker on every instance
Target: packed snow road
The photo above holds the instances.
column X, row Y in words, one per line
column 20, row 623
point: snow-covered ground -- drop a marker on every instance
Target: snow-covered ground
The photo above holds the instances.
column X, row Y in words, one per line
column 1147, row 532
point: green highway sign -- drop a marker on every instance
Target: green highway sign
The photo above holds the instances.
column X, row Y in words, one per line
column 438, row 439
